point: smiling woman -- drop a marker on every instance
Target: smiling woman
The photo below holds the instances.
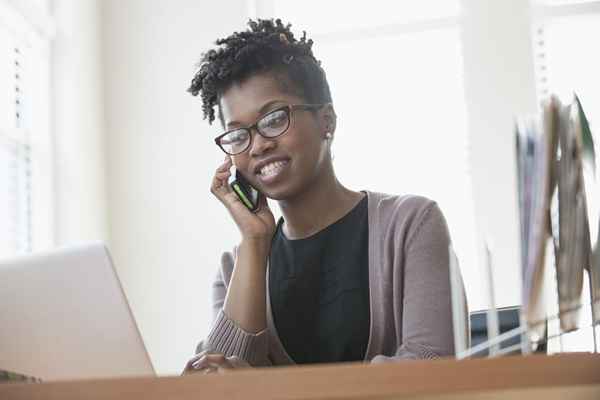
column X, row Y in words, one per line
column 344, row 275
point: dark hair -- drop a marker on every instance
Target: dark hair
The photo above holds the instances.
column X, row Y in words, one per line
column 267, row 46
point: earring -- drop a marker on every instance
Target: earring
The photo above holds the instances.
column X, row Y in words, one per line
column 328, row 136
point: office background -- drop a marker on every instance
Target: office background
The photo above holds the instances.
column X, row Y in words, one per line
column 106, row 143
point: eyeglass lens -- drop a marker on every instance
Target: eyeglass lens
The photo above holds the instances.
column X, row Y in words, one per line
column 271, row 125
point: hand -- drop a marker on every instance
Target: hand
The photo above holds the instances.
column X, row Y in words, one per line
column 208, row 363
column 259, row 225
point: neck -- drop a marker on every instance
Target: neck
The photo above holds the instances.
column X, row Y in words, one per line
column 320, row 205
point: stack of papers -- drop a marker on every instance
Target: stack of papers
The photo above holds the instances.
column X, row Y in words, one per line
column 536, row 144
column 557, row 198
column 591, row 187
column 572, row 242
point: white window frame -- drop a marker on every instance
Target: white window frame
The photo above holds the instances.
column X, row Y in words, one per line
column 30, row 23
column 546, row 11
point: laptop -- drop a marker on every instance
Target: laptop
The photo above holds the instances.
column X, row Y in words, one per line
column 509, row 318
column 64, row 315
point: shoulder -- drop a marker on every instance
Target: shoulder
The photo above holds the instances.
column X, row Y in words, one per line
column 398, row 208
column 405, row 216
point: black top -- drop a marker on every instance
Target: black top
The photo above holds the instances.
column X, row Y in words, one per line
column 319, row 289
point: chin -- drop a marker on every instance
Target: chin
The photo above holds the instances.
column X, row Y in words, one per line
column 275, row 195
column 284, row 193
column 281, row 192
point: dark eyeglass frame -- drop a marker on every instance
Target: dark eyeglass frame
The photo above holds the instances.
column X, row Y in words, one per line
column 289, row 108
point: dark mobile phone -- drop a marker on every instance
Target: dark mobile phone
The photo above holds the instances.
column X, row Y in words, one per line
column 246, row 193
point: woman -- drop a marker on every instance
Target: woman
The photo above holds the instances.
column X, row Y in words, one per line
column 344, row 275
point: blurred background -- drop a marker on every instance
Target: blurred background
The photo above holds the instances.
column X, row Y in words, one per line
column 100, row 140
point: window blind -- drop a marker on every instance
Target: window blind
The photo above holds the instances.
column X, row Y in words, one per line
column 567, row 60
column 16, row 75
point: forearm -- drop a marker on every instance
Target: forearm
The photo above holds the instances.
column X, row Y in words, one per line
column 245, row 303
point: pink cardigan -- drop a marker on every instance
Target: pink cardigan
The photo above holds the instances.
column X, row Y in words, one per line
column 409, row 290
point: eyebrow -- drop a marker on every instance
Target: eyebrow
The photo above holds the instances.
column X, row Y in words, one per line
column 261, row 110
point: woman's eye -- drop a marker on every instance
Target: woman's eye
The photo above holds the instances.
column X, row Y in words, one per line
column 235, row 137
column 240, row 136
column 275, row 119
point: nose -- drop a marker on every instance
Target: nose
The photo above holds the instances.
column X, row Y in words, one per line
column 260, row 144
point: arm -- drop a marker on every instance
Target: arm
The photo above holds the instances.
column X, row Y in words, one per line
column 239, row 301
column 426, row 304
column 239, row 308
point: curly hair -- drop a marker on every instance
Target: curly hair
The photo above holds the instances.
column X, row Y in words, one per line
column 268, row 46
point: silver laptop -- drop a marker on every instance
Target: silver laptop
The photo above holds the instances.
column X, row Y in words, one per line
column 63, row 315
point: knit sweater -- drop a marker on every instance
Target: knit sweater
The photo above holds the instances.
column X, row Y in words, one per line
column 409, row 288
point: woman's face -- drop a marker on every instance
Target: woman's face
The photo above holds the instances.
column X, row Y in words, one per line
column 299, row 154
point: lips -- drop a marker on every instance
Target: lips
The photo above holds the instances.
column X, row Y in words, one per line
column 259, row 166
column 273, row 172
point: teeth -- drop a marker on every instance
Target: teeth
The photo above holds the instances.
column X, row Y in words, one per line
column 272, row 168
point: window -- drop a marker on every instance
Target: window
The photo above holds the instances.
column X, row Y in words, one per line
column 25, row 157
column 566, row 56
column 395, row 71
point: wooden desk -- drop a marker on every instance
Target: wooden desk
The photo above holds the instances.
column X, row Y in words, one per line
column 568, row 376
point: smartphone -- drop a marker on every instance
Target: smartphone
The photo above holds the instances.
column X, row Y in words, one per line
column 247, row 194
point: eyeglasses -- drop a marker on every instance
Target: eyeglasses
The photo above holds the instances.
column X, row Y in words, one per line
column 271, row 125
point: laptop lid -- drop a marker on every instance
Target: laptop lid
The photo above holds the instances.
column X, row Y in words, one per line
column 64, row 315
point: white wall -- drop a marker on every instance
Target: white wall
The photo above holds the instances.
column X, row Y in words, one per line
column 167, row 232
column 78, row 123
column 499, row 85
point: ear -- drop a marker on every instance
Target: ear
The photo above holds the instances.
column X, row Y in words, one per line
column 329, row 119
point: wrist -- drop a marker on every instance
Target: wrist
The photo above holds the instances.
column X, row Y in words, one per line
column 261, row 244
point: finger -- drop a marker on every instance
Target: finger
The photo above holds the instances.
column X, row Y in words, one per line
column 204, row 362
column 220, row 185
column 192, row 370
column 214, row 358
column 223, row 175
column 204, row 367
column 212, row 366
column 223, row 170
column 210, row 370
column 225, row 165
column 226, row 365
column 193, row 360
column 237, row 362
column 199, row 355
column 209, row 360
